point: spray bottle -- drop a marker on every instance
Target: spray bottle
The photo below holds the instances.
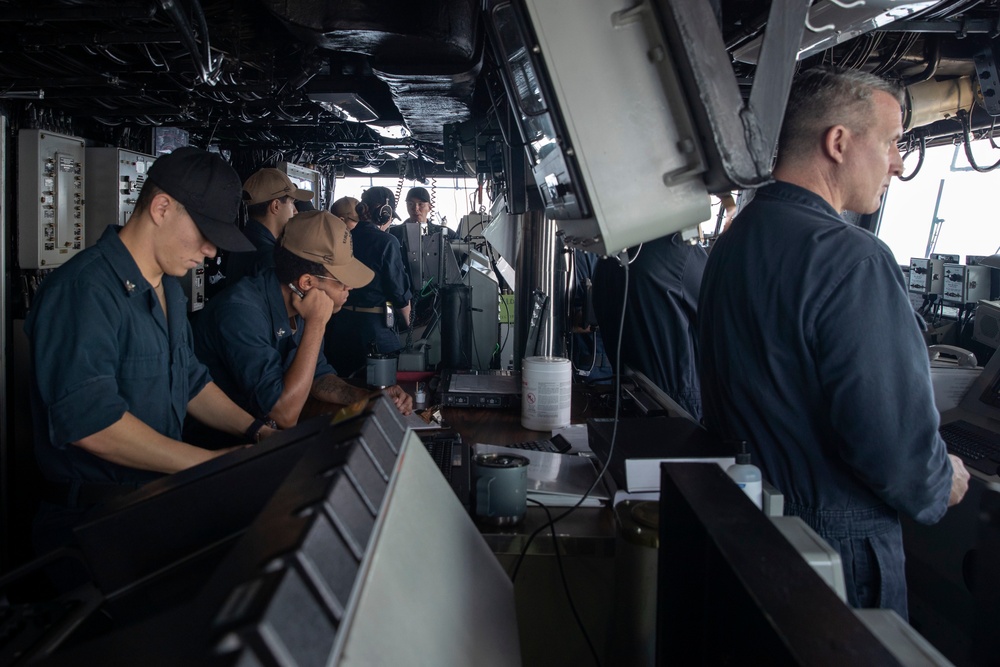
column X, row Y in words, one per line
column 747, row 476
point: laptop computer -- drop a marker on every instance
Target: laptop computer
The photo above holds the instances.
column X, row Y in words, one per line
column 972, row 430
column 481, row 389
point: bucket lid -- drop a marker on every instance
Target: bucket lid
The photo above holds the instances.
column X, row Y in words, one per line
column 638, row 522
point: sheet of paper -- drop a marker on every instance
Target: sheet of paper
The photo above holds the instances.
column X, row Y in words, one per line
column 554, row 474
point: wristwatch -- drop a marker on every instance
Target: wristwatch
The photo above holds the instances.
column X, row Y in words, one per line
column 252, row 434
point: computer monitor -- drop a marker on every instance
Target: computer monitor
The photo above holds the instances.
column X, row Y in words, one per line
column 732, row 588
column 983, row 397
column 610, row 141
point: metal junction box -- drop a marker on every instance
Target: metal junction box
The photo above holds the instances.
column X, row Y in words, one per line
column 966, row 284
column 114, row 178
column 50, row 198
column 926, row 275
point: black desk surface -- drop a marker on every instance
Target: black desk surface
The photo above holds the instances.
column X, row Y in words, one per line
column 586, row 531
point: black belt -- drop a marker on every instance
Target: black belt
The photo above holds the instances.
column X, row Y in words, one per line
column 82, row 494
column 376, row 310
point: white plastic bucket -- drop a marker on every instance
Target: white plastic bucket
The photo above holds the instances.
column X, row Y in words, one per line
column 546, row 392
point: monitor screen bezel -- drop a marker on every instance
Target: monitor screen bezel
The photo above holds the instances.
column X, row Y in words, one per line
column 972, row 401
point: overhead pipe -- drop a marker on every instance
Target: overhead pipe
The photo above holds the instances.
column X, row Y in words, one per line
column 205, row 68
column 933, row 62
column 931, row 101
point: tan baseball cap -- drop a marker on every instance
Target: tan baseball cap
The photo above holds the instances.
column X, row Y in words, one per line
column 320, row 236
column 271, row 183
column 346, row 208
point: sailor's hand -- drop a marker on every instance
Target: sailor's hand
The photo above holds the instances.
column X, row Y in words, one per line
column 959, row 480
column 403, row 401
column 315, row 306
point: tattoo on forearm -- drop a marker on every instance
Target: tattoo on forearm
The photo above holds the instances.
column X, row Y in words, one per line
column 332, row 389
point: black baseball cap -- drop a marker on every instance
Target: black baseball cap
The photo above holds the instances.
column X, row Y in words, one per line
column 209, row 189
column 418, row 193
column 377, row 197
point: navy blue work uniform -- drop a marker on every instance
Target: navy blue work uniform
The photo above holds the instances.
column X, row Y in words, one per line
column 399, row 231
column 812, row 353
column 659, row 338
column 242, row 264
column 101, row 346
column 424, row 305
column 248, row 342
column 361, row 322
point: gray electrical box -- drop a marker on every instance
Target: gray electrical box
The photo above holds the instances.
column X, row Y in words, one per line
column 50, row 198
column 986, row 326
column 307, row 179
column 966, row 284
column 946, row 257
column 114, row 179
column 473, row 223
column 926, row 275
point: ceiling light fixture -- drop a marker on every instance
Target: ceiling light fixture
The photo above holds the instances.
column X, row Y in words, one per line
column 389, row 129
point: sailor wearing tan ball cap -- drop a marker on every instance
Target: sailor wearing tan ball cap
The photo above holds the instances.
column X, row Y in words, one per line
column 270, row 198
column 262, row 339
column 346, row 208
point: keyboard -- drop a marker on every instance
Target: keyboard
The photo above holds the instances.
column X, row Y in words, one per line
column 444, row 453
column 452, row 458
column 557, row 445
column 978, row 447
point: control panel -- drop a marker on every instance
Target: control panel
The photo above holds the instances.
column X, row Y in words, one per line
column 966, row 284
column 926, row 275
column 114, row 179
column 50, row 201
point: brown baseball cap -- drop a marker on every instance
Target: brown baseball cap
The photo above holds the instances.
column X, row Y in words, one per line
column 271, row 183
column 346, row 208
column 320, row 236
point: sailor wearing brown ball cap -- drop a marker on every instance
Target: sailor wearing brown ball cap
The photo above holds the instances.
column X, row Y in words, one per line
column 262, row 339
column 270, row 198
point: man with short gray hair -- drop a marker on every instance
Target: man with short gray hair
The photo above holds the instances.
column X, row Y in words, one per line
column 810, row 349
